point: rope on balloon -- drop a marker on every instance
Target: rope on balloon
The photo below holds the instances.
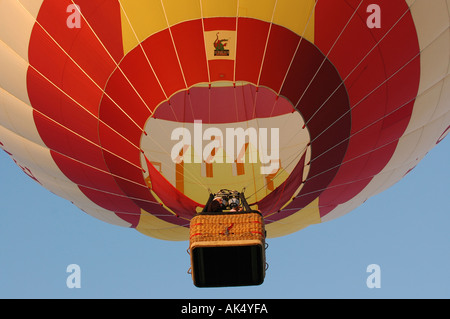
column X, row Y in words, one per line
column 350, row 160
column 190, row 174
column 363, row 129
column 287, row 72
column 115, row 103
column 275, row 102
column 297, row 103
column 343, row 81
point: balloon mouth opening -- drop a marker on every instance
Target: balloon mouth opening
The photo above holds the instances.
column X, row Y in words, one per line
column 223, row 102
column 226, row 135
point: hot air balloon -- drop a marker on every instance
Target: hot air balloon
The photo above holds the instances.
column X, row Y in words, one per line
column 137, row 111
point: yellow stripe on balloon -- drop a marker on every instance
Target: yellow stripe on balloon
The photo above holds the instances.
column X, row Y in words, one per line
column 309, row 215
column 140, row 19
column 257, row 9
column 297, row 16
column 219, row 8
column 178, row 11
column 152, row 226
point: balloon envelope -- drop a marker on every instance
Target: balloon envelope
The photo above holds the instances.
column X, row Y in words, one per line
column 135, row 110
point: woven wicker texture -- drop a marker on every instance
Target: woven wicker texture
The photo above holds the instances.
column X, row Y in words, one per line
column 227, row 227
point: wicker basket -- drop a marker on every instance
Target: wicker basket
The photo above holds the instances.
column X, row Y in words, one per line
column 227, row 227
column 243, row 233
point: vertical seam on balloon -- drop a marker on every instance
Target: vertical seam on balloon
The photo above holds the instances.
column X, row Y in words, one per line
column 106, row 172
column 289, row 161
column 356, row 157
column 256, row 98
column 245, row 110
column 178, row 60
column 81, row 69
column 355, row 180
column 87, row 75
column 257, row 84
column 448, row 64
column 366, row 96
column 148, row 61
column 301, row 38
column 206, row 61
column 69, row 130
column 236, row 42
column 361, row 130
column 303, row 157
column 353, row 70
column 298, row 46
column 86, row 139
column 441, row 92
column 79, row 104
column 143, row 51
column 85, row 164
column 360, row 62
column 101, row 147
column 234, row 81
column 173, row 44
column 267, row 42
column 113, row 60
column 326, row 57
column 83, row 108
column 203, row 34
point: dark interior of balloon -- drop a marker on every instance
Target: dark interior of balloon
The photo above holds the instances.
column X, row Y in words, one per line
column 228, row 266
column 227, row 243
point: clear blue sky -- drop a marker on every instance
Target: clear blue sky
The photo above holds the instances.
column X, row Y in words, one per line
column 404, row 230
